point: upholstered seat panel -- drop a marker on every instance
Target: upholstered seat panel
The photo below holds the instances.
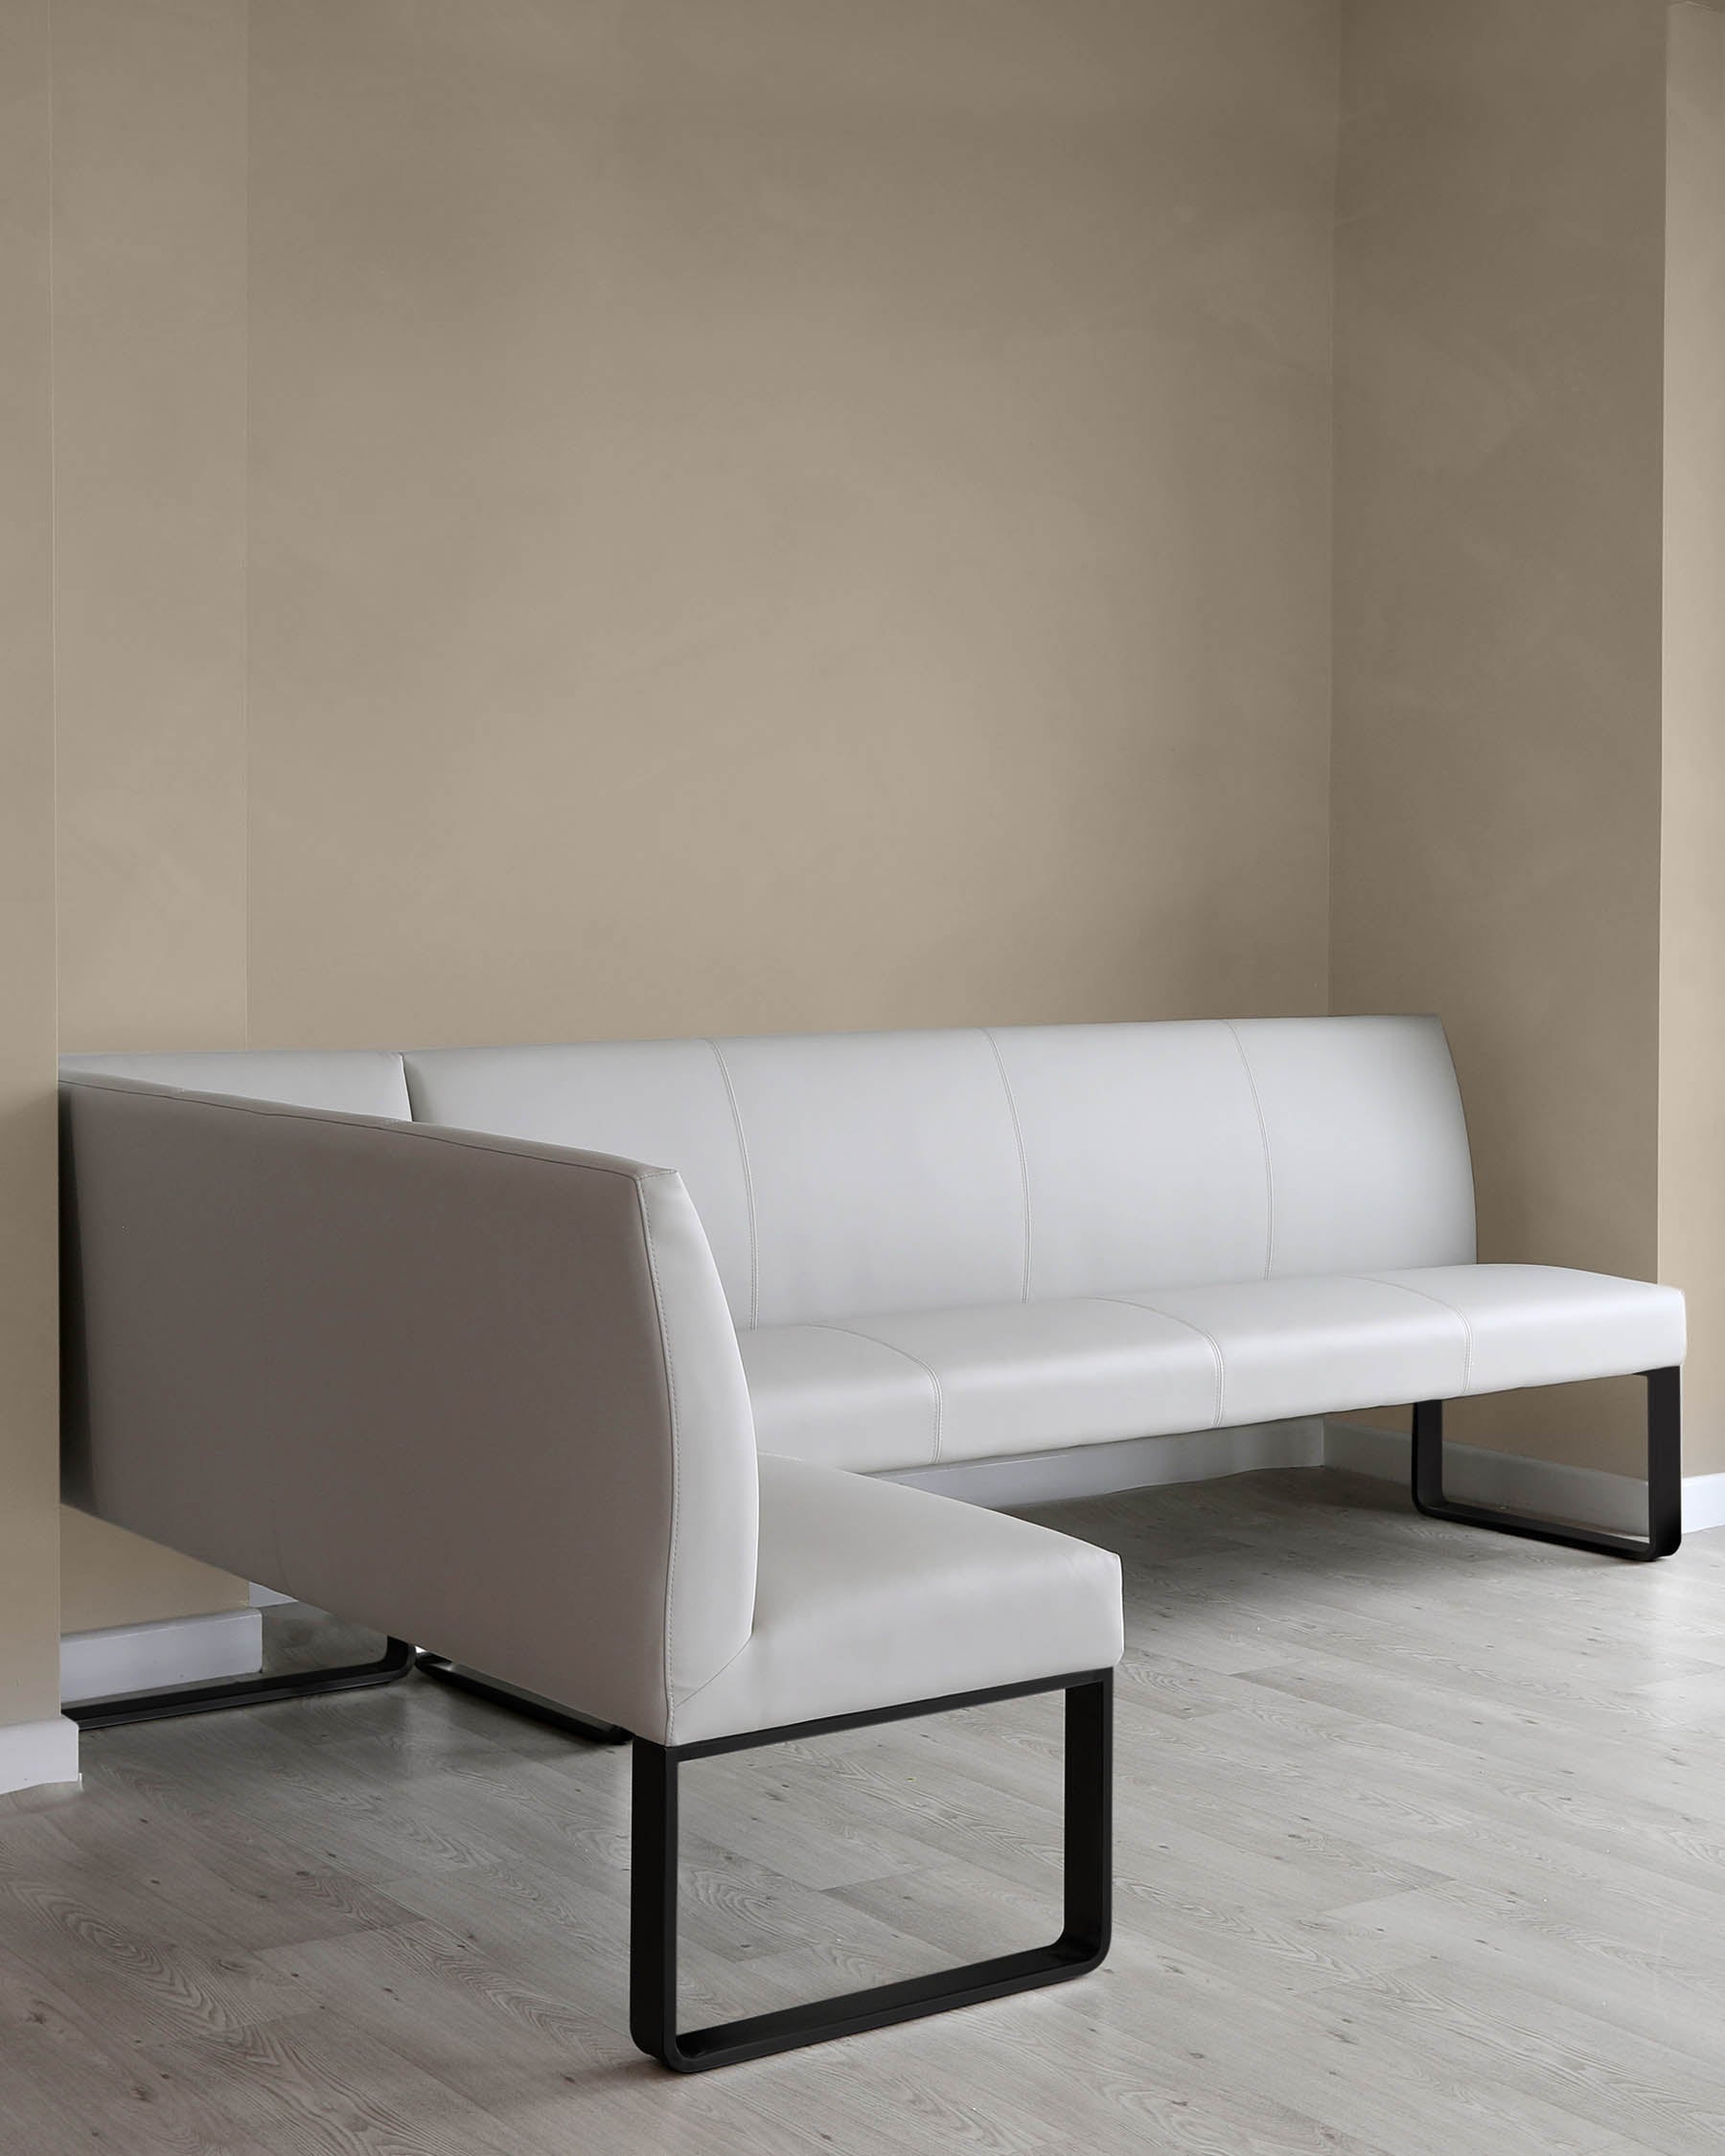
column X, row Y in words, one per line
column 822, row 1392
column 344, row 1081
column 661, row 1101
column 1143, row 1159
column 1366, row 1143
column 1312, row 1346
column 868, row 1594
column 899, row 1390
column 884, row 1170
column 1032, row 1377
column 1019, row 1377
column 1544, row 1325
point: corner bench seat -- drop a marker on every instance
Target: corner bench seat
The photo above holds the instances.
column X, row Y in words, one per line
column 867, row 1589
column 559, row 1363
column 486, row 1394
column 913, row 1387
column 963, row 1244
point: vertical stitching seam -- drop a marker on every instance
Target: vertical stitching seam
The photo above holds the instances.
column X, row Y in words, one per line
column 749, row 1190
column 825, row 1325
column 1264, row 1134
column 1018, row 1132
column 1191, row 1325
column 1377, row 1280
column 658, row 1312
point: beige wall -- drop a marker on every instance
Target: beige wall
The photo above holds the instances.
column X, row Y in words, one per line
column 603, row 519
column 785, row 514
column 1496, row 756
column 653, row 520
column 150, row 381
column 1691, row 1105
column 149, row 478
column 111, row 1578
column 29, row 1447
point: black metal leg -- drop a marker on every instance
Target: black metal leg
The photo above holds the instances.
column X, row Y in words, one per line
column 399, row 1659
column 395, row 1661
column 1081, row 1946
column 1664, row 1482
column 519, row 1702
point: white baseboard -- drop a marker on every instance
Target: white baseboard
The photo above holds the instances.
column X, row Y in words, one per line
column 1545, row 1487
column 1702, row 1502
column 268, row 1598
column 136, row 1657
column 1130, row 1463
column 1477, row 1476
column 32, row 1754
column 230, row 1643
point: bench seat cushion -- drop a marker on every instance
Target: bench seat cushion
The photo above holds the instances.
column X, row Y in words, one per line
column 925, row 1385
column 911, row 1387
column 868, row 1594
column 1541, row 1324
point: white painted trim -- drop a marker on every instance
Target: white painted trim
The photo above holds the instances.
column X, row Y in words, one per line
column 1549, row 1488
column 137, row 1658
column 1475, row 1474
column 1702, row 1502
column 267, row 1598
column 1129, row 1463
column 32, row 1754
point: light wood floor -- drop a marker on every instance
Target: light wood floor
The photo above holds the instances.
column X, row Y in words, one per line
column 1421, row 1851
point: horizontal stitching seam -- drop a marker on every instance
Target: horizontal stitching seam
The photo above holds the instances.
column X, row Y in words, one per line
column 434, row 1133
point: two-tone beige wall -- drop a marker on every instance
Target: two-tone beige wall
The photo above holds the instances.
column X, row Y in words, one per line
column 603, row 519
column 28, row 1441
column 1495, row 795
column 1691, row 985
column 150, row 462
column 1529, row 748
column 592, row 520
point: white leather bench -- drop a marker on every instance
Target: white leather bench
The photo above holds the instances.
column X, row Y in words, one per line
column 486, row 1395
column 952, row 1246
column 562, row 1360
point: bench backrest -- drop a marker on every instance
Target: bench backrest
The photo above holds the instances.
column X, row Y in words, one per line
column 482, row 1393
column 837, row 1174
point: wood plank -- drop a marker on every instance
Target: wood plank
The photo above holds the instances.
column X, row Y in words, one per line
column 1420, row 1852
